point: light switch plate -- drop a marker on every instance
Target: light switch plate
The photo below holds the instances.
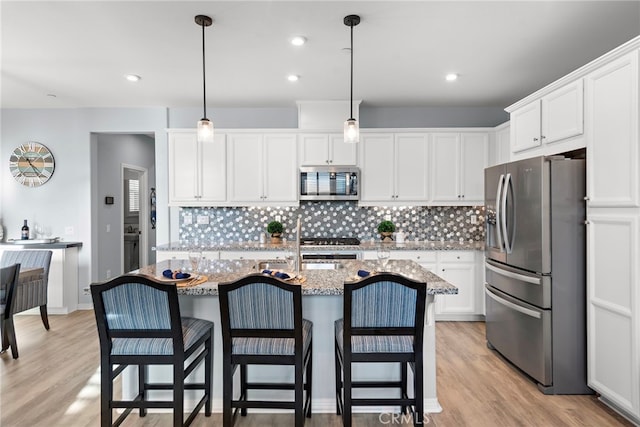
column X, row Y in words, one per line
column 202, row 219
column 474, row 219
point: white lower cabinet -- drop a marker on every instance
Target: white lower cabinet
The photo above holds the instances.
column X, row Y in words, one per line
column 456, row 267
column 613, row 308
column 183, row 255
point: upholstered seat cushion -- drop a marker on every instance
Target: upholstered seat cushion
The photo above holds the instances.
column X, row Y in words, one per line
column 272, row 346
column 192, row 331
column 374, row 343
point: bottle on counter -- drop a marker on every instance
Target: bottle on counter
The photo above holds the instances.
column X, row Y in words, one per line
column 25, row 231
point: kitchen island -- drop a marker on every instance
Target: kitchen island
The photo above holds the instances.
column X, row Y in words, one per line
column 322, row 304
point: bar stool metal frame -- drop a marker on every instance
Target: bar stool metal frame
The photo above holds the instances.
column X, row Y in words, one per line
column 386, row 328
column 144, row 337
column 243, row 327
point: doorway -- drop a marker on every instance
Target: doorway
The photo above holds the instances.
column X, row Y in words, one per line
column 135, row 234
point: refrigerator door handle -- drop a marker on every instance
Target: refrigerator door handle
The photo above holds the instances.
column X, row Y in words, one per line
column 503, row 213
column 498, row 210
column 513, row 306
column 512, row 275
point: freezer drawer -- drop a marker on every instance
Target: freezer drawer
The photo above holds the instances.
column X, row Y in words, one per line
column 529, row 287
column 521, row 333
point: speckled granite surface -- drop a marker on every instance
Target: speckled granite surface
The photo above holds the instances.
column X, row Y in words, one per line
column 318, row 282
column 364, row 246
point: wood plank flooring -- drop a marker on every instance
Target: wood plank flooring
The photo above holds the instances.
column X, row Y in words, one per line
column 55, row 382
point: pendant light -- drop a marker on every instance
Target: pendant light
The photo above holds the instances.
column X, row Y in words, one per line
column 351, row 128
column 205, row 126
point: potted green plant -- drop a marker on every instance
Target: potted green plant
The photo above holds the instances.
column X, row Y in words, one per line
column 386, row 228
column 275, row 229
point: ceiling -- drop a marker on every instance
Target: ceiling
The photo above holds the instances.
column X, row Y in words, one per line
column 502, row 51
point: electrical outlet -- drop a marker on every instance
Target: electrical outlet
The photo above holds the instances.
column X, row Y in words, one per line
column 202, row 219
column 474, row 219
column 387, row 217
column 87, row 290
column 278, row 218
column 187, row 219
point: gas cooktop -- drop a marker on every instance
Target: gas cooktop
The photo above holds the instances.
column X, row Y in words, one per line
column 330, row 241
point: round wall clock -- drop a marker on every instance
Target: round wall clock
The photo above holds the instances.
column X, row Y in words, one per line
column 31, row 164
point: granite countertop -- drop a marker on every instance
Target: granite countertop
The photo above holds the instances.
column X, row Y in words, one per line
column 318, row 282
column 363, row 246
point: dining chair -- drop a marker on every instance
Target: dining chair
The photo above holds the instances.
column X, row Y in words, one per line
column 262, row 324
column 8, row 284
column 32, row 294
column 383, row 321
column 139, row 324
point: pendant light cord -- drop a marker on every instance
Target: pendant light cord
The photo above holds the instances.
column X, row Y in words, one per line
column 351, row 103
column 204, row 80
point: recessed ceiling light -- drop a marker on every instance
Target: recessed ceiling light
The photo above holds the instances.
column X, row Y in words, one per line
column 451, row 77
column 293, row 78
column 133, row 77
column 298, row 40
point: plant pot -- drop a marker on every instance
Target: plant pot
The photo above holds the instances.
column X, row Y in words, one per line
column 276, row 238
column 386, row 236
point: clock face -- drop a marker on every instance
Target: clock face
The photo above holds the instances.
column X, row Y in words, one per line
column 31, row 164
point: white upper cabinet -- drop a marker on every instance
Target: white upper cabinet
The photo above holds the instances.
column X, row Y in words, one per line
column 499, row 147
column 612, row 129
column 326, row 149
column 262, row 168
column 197, row 171
column 457, row 167
column 394, row 168
column 552, row 118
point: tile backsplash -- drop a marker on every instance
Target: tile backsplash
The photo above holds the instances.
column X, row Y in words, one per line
column 331, row 219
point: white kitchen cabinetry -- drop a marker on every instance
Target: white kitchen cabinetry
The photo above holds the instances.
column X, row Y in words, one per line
column 612, row 126
column 457, row 167
column 394, row 168
column 326, row 149
column 197, row 171
column 613, row 233
column 262, row 169
column 499, row 147
column 553, row 117
column 460, row 268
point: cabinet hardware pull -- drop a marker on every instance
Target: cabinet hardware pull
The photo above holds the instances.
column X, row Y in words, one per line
column 535, row 139
column 543, row 137
column 586, row 198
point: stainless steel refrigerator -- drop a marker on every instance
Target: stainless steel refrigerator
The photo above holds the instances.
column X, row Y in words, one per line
column 535, row 286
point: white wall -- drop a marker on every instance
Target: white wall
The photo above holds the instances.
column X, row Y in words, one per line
column 66, row 200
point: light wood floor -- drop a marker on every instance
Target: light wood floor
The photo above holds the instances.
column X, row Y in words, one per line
column 55, row 383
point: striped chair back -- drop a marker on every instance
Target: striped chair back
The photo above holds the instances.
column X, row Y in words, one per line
column 384, row 304
column 260, row 306
column 140, row 312
column 28, row 259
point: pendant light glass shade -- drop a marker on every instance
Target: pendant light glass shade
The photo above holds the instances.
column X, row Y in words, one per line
column 205, row 126
column 205, row 130
column 351, row 131
column 351, row 127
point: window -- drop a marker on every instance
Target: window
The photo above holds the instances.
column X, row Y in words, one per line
column 134, row 196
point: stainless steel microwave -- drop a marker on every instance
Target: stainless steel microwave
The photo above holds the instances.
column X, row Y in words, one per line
column 329, row 183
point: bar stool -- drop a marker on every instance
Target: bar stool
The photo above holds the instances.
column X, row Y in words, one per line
column 262, row 324
column 383, row 321
column 139, row 324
